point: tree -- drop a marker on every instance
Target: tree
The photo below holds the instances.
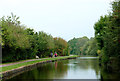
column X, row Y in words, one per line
column 61, row 46
column 90, row 47
column 76, row 45
column 107, row 33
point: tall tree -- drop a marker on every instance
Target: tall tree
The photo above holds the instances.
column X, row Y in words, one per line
column 107, row 33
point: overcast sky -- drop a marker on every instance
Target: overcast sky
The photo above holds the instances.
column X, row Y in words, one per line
column 60, row 18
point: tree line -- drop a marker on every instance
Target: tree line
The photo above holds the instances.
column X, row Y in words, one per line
column 19, row 42
column 107, row 34
column 83, row 46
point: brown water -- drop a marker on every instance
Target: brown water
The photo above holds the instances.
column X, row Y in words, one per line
column 80, row 68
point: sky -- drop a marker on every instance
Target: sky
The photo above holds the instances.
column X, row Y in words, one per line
column 60, row 18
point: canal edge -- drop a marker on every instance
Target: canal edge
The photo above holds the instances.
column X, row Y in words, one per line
column 14, row 72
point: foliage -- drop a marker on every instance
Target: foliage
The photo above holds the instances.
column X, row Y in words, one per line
column 20, row 42
column 61, row 46
column 90, row 48
column 76, row 45
column 107, row 33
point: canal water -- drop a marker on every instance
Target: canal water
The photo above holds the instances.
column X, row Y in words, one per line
column 80, row 68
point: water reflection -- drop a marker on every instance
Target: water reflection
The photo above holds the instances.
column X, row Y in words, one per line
column 107, row 75
column 83, row 69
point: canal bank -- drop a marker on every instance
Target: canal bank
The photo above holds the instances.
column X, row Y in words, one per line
column 79, row 69
column 13, row 70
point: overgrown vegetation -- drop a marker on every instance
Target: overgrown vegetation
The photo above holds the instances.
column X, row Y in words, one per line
column 90, row 48
column 20, row 42
column 107, row 34
column 83, row 46
column 76, row 44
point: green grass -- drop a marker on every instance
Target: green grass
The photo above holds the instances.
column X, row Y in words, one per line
column 6, row 68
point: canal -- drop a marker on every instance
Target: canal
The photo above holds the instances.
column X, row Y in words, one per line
column 80, row 68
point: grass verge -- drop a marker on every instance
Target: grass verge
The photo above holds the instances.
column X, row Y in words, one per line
column 6, row 68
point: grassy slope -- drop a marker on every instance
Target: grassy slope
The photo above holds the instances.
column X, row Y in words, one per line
column 6, row 68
